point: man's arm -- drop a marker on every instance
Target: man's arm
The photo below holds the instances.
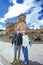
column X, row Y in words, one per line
column 20, row 41
column 13, row 39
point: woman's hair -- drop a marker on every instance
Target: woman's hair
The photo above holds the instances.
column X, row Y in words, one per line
column 24, row 32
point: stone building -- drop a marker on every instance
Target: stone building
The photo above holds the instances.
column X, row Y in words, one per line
column 21, row 23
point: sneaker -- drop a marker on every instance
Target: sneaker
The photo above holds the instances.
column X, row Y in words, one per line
column 18, row 60
column 25, row 63
column 14, row 61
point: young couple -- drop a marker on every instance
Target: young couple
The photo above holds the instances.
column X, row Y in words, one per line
column 20, row 40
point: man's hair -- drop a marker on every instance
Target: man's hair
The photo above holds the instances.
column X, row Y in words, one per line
column 18, row 29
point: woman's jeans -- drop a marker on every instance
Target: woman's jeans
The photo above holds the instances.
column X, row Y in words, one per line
column 25, row 52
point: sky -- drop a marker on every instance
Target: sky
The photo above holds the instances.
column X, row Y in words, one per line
column 32, row 9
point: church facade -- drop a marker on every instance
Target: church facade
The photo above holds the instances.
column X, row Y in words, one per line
column 20, row 24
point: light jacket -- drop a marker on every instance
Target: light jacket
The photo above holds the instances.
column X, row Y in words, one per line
column 25, row 40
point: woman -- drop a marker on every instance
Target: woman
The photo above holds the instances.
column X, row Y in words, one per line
column 25, row 46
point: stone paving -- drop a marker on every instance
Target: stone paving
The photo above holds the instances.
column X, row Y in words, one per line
column 7, row 54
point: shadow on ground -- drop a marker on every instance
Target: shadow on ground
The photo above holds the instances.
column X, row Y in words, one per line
column 30, row 63
column 5, row 62
column 34, row 63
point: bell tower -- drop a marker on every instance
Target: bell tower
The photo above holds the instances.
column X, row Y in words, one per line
column 22, row 18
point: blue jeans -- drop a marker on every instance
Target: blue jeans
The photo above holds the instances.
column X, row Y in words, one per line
column 17, row 48
column 25, row 52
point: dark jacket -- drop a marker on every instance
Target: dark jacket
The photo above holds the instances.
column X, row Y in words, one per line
column 15, row 38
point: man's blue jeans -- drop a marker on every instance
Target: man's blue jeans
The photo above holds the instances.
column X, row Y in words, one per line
column 17, row 48
column 25, row 52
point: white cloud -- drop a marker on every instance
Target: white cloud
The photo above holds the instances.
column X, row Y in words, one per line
column 33, row 17
column 41, row 22
column 1, row 27
column 17, row 9
column 13, row 1
column 3, row 20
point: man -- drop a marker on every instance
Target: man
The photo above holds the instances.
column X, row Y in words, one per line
column 17, row 40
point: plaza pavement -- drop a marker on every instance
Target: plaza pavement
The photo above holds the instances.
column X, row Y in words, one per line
column 35, row 54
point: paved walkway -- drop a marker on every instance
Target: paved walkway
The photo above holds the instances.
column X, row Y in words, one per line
column 3, row 61
column 7, row 54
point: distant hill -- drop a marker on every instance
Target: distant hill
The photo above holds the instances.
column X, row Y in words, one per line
column 2, row 30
